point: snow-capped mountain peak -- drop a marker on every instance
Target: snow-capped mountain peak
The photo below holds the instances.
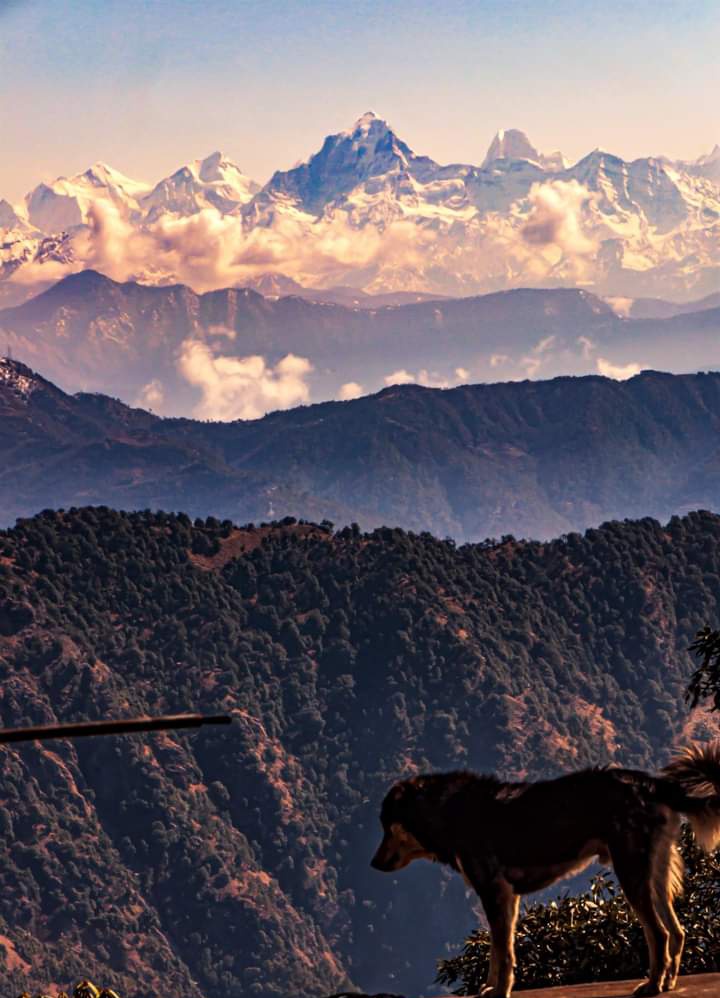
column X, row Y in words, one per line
column 364, row 123
column 100, row 175
column 219, row 169
column 212, row 182
column 367, row 211
column 511, row 143
column 9, row 218
column 373, row 141
column 65, row 202
column 707, row 165
column 368, row 149
column 215, row 167
column 711, row 157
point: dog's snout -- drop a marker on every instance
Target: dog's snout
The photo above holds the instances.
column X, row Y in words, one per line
column 385, row 857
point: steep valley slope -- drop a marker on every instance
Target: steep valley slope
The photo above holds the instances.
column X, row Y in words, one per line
column 235, row 861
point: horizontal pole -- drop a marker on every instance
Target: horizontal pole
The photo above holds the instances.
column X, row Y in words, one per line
column 82, row 729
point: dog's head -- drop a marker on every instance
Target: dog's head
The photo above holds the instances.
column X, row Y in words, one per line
column 402, row 819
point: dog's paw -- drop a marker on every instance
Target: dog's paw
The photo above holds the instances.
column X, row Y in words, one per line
column 646, row 990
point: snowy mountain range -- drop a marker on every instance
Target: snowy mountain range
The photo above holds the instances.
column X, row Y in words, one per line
column 368, row 212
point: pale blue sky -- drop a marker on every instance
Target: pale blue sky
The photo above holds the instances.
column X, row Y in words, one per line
column 147, row 86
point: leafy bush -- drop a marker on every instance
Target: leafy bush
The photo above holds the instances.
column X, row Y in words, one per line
column 705, row 681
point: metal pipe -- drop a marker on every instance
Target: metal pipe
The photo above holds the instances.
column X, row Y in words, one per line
column 82, row 729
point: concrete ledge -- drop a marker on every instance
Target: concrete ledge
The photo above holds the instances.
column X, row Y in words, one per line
column 694, row 986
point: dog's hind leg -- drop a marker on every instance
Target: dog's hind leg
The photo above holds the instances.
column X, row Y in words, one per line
column 667, row 875
column 634, row 869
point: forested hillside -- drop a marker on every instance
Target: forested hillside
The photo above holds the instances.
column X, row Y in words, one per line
column 235, row 861
column 534, row 459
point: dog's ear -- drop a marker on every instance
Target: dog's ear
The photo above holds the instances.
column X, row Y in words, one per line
column 399, row 792
column 420, row 789
column 404, row 798
column 397, row 799
column 400, row 801
column 420, row 795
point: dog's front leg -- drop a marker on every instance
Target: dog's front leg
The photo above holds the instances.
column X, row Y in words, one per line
column 501, row 905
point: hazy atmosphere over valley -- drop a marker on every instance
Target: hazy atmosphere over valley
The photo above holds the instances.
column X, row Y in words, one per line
column 359, row 390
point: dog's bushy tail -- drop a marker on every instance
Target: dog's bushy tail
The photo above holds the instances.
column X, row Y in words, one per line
column 696, row 771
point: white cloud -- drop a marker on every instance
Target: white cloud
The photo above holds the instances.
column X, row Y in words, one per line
column 542, row 236
column 555, row 217
column 498, row 359
column 532, row 362
column 428, row 379
column 544, row 345
column 462, row 373
column 242, row 387
column 620, row 372
column 151, row 396
column 350, row 390
column 531, row 365
column 209, row 250
column 588, row 347
column 432, row 379
column 219, row 330
column 401, row 377
column 621, row 306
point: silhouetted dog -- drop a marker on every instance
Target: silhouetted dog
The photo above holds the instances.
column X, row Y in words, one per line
column 508, row 839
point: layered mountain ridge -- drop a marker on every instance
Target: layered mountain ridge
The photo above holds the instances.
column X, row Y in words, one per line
column 369, row 212
column 531, row 458
column 235, row 353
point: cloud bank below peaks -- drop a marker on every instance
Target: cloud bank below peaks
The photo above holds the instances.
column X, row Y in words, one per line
column 209, row 250
column 544, row 236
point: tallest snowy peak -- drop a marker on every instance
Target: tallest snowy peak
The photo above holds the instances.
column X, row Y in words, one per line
column 368, row 126
column 365, row 122
column 371, row 137
column 370, row 149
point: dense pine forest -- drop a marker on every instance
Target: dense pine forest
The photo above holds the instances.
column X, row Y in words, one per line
column 235, row 861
